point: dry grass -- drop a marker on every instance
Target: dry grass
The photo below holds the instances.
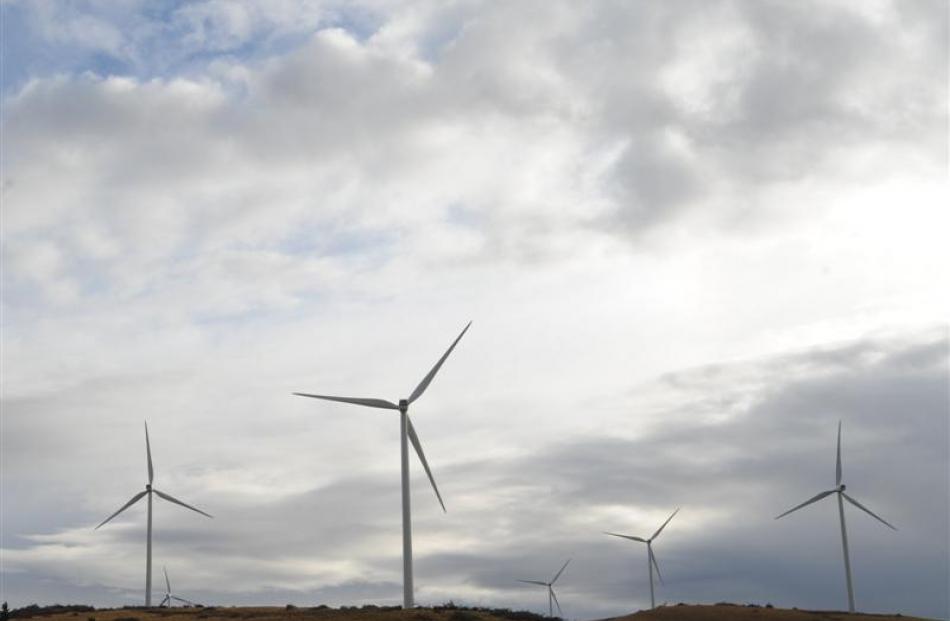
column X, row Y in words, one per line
column 720, row 612
column 732, row 612
column 211, row 613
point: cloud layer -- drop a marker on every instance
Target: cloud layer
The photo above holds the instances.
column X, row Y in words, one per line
column 692, row 237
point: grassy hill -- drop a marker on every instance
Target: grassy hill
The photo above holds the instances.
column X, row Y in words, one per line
column 733, row 612
column 720, row 612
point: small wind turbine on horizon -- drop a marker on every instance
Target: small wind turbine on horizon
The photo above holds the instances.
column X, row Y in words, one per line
column 148, row 491
column 651, row 558
column 839, row 490
column 550, row 587
column 407, row 433
column 168, row 593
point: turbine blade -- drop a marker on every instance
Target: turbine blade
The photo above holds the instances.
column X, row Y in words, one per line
column 534, row 582
column 559, row 572
column 178, row 502
column 148, row 451
column 868, row 511
column 660, row 529
column 656, row 565
column 372, row 403
column 556, row 603
column 168, row 585
column 807, row 502
column 421, row 388
column 630, row 537
column 422, row 457
column 134, row 500
column 838, row 463
column 165, row 601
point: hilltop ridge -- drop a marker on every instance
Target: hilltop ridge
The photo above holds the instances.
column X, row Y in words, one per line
column 679, row 612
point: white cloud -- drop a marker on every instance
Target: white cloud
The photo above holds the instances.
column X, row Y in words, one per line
column 316, row 197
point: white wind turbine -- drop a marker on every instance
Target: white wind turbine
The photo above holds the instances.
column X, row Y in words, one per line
column 550, row 587
column 651, row 558
column 167, row 601
column 148, row 491
column 839, row 490
column 406, row 432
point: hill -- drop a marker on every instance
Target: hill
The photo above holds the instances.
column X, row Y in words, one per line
column 719, row 612
column 735, row 612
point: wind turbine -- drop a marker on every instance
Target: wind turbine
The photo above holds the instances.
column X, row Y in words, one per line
column 839, row 490
column 148, row 491
column 168, row 593
column 651, row 558
column 550, row 587
column 406, row 432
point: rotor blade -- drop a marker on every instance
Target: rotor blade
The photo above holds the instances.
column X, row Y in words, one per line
column 178, row 502
column 534, row 582
column 630, row 537
column 559, row 572
column 183, row 600
column 556, row 603
column 838, row 463
column 421, row 388
column 866, row 510
column 660, row 529
column 148, row 451
column 422, row 457
column 165, row 600
column 373, row 403
column 806, row 503
column 656, row 565
column 168, row 585
column 134, row 500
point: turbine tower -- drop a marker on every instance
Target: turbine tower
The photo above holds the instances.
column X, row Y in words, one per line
column 406, row 433
column 148, row 491
column 651, row 558
column 550, row 587
column 839, row 490
column 167, row 601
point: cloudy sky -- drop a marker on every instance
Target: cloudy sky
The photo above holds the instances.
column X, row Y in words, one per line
column 692, row 236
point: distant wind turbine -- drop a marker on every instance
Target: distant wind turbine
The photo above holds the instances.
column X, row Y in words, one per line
column 148, row 491
column 168, row 593
column 651, row 558
column 839, row 489
column 406, row 432
column 550, row 587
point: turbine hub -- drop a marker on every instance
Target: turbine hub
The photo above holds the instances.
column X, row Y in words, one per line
column 842, row 487
column 403, row 405
column 148, row 487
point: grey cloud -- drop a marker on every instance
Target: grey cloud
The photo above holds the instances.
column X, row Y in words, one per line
column 521, row 516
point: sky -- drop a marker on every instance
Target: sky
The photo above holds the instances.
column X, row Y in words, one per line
column 692, row 237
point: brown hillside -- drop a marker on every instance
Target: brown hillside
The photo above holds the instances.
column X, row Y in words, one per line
column 730, row 612
column 372, row 613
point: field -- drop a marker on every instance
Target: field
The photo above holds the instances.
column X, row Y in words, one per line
column 721, row 612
